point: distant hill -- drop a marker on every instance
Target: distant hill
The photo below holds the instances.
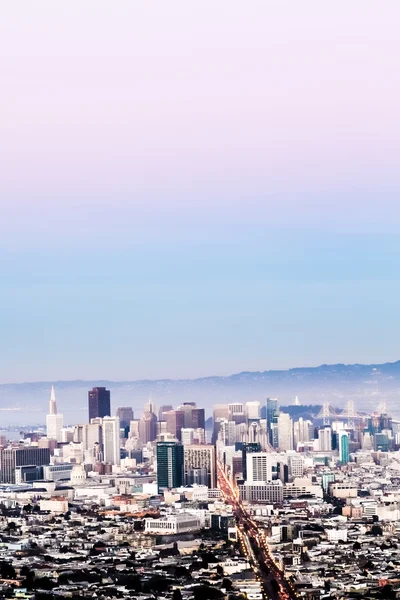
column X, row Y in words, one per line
column 366, row 385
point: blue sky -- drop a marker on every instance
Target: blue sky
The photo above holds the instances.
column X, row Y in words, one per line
column 183, row 196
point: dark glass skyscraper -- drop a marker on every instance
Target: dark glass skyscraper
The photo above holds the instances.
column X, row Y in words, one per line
column 169, row 465
column 99, row 403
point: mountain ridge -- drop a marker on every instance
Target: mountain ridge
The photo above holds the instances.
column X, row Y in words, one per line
column 317, row 368
column 365, row 384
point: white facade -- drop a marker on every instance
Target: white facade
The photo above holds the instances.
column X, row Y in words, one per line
column 54, row 421
column 111, row 440
column 58, row 471
column 259, row 492
column 54, row 425
column 55, row 505
column 296, row 465
column 325, row 439
column 252, row 410
column 336, row 535
column 285, row 432
column 302, row 431
column 259, row 466
column 173, row 524
column 187, row 435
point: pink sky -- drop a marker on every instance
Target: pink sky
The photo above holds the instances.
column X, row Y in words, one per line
column 282, row 107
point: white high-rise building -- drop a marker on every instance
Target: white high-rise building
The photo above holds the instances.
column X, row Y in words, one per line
column 302, row 432
column 111, row 440
column 252, row 410
column 325, row 439
column 259, row 466
column 54, row 421
column 227, row 432
column 187, row 434
column 285, row 432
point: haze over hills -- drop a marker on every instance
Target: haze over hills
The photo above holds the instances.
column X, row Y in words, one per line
column 366, row 385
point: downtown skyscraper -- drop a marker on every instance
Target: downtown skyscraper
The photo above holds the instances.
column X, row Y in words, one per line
column 99, row 403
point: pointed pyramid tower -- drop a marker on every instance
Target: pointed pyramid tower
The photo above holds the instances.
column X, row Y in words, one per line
column 52, row 403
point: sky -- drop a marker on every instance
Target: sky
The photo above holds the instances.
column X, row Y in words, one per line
column 197, row 188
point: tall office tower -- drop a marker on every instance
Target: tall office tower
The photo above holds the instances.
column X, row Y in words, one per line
column 236, row 412
column 94, row 434
column 303, row 431
column 67, row 435
column 221, row 411
column 198, row 418
column 161, row 428
column 252, row 410
column 187, row 409
column 199, row 436
column 187, row 435
column 241, row 433
column 112, row 453
column 99, row 403
column 200, row 465
column 343, row 447
column 175, row 421
column 367, row 441
column 164, row 409
column 248, row 449
column 147, row 428
column 259, row 466
column 125, row 415
column 227, row 432
column 271, row 414
column 134, row 429
column 272, row 409
column 54, row 421
column 325, row 439
column 14, row 456
column 169, row 465
column 285, row 432
column 150, row 406
column 79, row 435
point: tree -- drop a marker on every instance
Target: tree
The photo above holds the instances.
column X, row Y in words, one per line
column 206, row 592
column 227, row 584
column 177, row 595
column 376, row 530
column 7, row 571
